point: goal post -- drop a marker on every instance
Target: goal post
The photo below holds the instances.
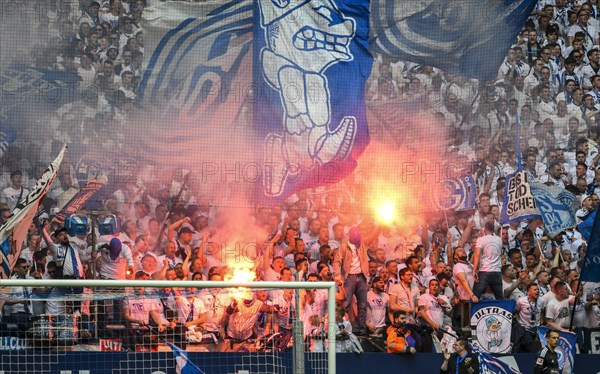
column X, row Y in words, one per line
column 122, row 286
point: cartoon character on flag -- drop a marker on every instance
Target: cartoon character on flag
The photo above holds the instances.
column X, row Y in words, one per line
column 303, row 40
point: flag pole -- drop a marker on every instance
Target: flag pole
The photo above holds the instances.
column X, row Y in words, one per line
column 164, row 226
column 575, row 302
column 449, row 251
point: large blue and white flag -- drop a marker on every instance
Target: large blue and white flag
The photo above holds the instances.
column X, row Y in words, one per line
column 519, row 203
column 590, row 270
column 465, row 37
column 556, row 206
column 491, row 325
column 565, row 349
column 182, row 364
column 14, row 231
column 196, row 85
column 199, row 52
column 311, row 63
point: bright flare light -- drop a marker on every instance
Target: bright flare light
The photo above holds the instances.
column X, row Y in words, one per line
column 386, row 212
column 242, row 275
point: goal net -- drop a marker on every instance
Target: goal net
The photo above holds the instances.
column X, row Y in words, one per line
column 146, row 326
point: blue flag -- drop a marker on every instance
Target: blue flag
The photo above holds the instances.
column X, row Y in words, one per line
column 556, row 206
column 311, row 63
column 590, row 271
column 491, row 364
column 455, row 194
column 565, row 349
column 182, row 364
column 519, row 203
column 491, row 325
column 585, row 227
column 200, row 50
column 463, row 37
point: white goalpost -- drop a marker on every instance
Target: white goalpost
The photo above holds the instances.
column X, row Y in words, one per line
column 88, row 339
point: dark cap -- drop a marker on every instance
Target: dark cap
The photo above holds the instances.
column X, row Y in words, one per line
column 59, row 230
column 140, row 273
column 185, row 230
column 375, row 279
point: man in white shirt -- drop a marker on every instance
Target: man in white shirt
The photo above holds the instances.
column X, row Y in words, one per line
column 487, row 263
column 18, row 310
column 15, row 192
column 377, row 305
column 431, row 311
column 558, row 310
column 141, row 310
column 583, row 25
column 64, row 254
column 554, row 174
column 462, row 272
column 513, row 282
column 403, row 296
column 529, row 310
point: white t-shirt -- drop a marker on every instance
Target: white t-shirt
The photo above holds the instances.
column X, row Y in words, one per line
column 405, row 297
column 55, row 305
column 20, row 292
column 376, row 308
column 285, row 309
column 117, row 268
column 139, row 309
column 559, row 312
column 271, row 275
column 516, row 294
column 172, row 262
column 466, row 269
column 433, row 309
column 10, row 196
column 547, row 298
column 189, row 310
column 355, row 264
column 64, row 257
column 27, row 254
column 318, row 307
column 491, row 253
column 215, row 302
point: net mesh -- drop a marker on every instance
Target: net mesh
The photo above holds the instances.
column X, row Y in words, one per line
column 128, row 330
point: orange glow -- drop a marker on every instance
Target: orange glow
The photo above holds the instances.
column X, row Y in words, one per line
column 398, row 172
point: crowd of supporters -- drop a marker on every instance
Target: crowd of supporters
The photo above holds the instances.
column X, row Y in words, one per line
column 548, row 87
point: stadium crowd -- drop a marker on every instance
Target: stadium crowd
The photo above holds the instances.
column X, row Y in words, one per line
column 548, row 86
